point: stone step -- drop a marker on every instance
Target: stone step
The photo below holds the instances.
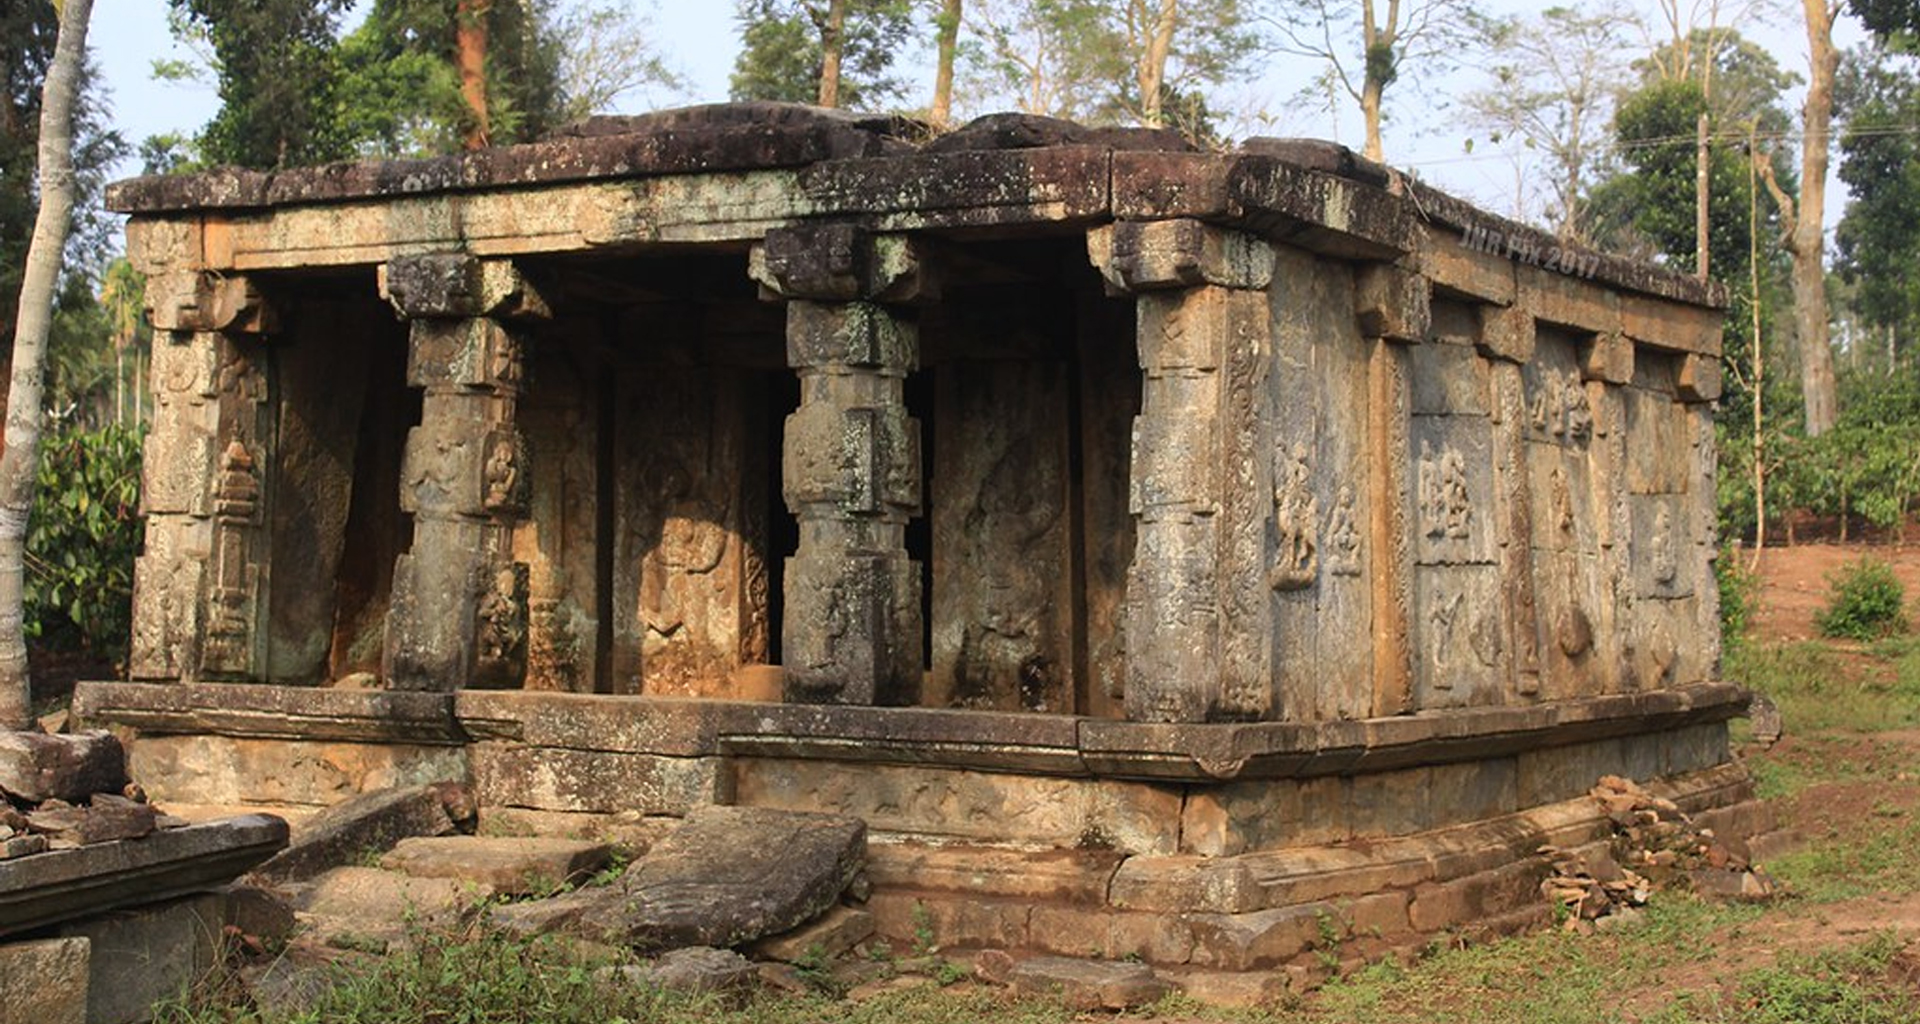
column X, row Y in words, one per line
column 516, row 866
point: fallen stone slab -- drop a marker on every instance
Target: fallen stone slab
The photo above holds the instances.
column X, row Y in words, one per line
column 44, row 981
column 1089, row 984
column 35, row 767
column 831, row 935
column 62, row 885
column 369, row 902
column 513, row 866
column 369, row 823
column 730, row 875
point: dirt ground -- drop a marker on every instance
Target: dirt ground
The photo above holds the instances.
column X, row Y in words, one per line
column 1793, row 583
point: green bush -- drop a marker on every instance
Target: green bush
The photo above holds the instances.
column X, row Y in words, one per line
column 81, row 539
column 1867, row 602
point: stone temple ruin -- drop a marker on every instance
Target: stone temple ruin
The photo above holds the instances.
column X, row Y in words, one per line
column 1164, row 552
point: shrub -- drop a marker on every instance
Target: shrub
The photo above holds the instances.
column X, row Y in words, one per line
column 81, row 539
column 1867, row 602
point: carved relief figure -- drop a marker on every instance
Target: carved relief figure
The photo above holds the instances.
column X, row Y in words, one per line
column 1561, row 408
column 1579, row 410
column 1441, row 619
column 1296, row 513
column 502, row 472
column 1446, row 507
column 1343, row 536
column 503, row 623
column 1001, row 650
column 236, row 507
column 1666, row 565
column 1562, row 497
column 692, row 542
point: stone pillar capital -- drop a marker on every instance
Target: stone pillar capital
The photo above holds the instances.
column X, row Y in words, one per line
column 203, row 301
column 1136, row 256
column 1393, row 303
column 451, row 285
column 839, row 262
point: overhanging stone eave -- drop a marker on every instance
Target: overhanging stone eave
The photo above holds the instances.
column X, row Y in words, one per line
column 1061, row 745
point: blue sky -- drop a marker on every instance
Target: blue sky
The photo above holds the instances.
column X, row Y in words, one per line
column 699, row 40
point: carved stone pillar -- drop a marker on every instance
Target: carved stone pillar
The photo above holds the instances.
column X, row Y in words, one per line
column 850, row 472
column 1198, row 612
column 200, row 589
column 459, row 611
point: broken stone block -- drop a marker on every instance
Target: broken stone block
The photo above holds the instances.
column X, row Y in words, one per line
column 529, row 918
column 45, row 981
column 730, row 875
column 259, row 913
column 108, row 818
column 36, row 767
column 370, row 822
column 1089, row 984
column 148, row 954
column 833, row 934
column 516, row 865
column 696, row 970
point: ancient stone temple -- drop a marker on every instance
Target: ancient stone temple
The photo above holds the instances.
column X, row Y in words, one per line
column 1164, row 552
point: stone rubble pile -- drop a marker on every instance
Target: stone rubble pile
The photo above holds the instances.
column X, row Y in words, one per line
column 59, row 792
column 1655, row 845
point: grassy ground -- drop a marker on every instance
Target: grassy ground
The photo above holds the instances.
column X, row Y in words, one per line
column 1843, row 944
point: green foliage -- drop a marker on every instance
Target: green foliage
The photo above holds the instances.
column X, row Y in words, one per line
column 1739, row 596
column 81, row 539
column 1877, row 98
column 781, row 53
column 1867, row 602
column 294, row 92
column 27, row 33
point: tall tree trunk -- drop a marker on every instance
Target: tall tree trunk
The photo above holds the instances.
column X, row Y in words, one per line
column 1151, row 73
column 470, row 55
column 946, row 39
column 1379, row 60
column 1370, row 92
column 1807, row 243
column 1702, row 201
column 20, row 462
column 833, row 42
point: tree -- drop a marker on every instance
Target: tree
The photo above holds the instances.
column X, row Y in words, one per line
column 273, row 61
column 1555, row 76
column 1878, row 97
column 27, row 36
column 417, row 77
column 785, row 46
column 1896, row 23
column 1148, row 62
column 19, row 462
column 1366, row 49
column 1805, row 239
column 946, row 42
column 609, row 53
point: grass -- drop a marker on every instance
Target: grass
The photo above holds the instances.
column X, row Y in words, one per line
column 1820, row 688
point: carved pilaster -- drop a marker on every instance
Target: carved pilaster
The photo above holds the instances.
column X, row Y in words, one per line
column 459, row 611
column 1198, row 616
column 200, row 588
column 850, row 462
